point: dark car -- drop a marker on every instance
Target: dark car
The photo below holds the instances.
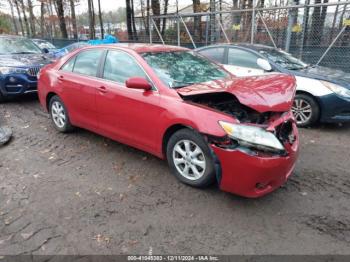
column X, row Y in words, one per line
column 323, row 94
column 45, row 45
column 20, row 62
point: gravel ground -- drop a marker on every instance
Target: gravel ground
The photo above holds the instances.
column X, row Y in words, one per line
column 85, row 194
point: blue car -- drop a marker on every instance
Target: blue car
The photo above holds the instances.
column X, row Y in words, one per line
column 20, row 62
column 69, row 48
column 323, row 94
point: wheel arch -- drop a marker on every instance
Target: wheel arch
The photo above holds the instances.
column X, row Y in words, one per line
column 315, row 98
column 169, row 132
column 48, row 98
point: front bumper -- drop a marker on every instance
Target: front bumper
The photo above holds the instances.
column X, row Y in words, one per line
column 253, row 175
column 17, row 84
column 334, row 109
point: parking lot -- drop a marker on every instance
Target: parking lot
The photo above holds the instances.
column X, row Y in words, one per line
column 83, row 194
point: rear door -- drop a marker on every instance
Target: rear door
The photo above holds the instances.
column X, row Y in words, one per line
column 127, row 115
column 78, row 81
column 242, row 63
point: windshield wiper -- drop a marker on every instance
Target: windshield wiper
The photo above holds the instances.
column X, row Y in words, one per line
column 184, row 84
column 23, row 53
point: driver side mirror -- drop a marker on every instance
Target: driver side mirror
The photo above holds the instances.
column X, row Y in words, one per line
column 264, row 64
column 138, row 83
column 45, row 50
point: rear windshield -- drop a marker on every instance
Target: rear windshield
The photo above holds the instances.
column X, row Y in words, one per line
column 179, row 69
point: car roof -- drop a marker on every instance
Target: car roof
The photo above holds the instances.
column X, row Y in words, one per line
column 12, row 36
column 147, row 48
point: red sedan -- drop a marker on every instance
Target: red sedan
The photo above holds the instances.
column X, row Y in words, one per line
column 208, row 124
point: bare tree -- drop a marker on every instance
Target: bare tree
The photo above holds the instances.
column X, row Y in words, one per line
column 133, row 20
column 155, row 5
column 212, row 21
column 13, row 17
column 91, row 13
column 42, row 18
column 129, row 19
column 62, row 21
column 317, row 23
column 197, row 19
column 19, row 16
column 31, row 18
column 166, row 3
column 100, row 18
column 25, row 17
column 74, row 20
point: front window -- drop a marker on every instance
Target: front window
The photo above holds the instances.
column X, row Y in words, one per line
column 44, row 44
column 242, row 58
column 179, row 69
column 17, row 46
column 119, row 67
column 284, row 59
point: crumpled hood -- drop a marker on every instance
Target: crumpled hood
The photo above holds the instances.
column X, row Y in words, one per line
column 325, row 73
column 273, row 92
column 27, row 60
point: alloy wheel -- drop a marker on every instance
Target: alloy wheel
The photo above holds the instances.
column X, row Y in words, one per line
column 189, row 159
column 302, row 110
column 58, row 114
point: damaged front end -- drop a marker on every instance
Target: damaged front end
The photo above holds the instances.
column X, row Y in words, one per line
column 255, row 133
column 261, row 145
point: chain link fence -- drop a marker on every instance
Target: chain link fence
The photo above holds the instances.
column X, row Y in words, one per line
column 317, row 34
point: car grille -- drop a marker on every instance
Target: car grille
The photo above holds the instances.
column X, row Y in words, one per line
column 33, row 71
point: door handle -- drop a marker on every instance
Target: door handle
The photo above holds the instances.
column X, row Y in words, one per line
column 102, row 89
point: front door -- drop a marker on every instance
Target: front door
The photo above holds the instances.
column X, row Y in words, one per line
column 124, row 114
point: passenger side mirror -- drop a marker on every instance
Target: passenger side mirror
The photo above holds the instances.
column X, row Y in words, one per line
column 45, row 50
column 138, row 83
column 264, row 64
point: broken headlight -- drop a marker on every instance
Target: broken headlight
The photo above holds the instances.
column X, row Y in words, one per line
column 252, row 136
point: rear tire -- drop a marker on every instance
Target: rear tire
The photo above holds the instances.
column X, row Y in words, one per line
column 306, row 110
column 190, row 158
column 2, row 98
column 59, row 115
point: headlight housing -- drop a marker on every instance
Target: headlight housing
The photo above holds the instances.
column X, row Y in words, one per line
column 5, row 70
column 339, row 90
column 252, row 136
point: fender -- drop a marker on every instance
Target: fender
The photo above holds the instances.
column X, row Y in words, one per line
column 312, row 86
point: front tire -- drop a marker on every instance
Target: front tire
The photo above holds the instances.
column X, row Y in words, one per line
column 190, row 159
column 306, row 110
column 59, row 115
column 2, row 98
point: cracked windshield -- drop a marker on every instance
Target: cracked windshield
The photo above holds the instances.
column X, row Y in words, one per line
column 179, row 69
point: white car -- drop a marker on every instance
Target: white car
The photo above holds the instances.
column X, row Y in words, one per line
column 323, row 94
